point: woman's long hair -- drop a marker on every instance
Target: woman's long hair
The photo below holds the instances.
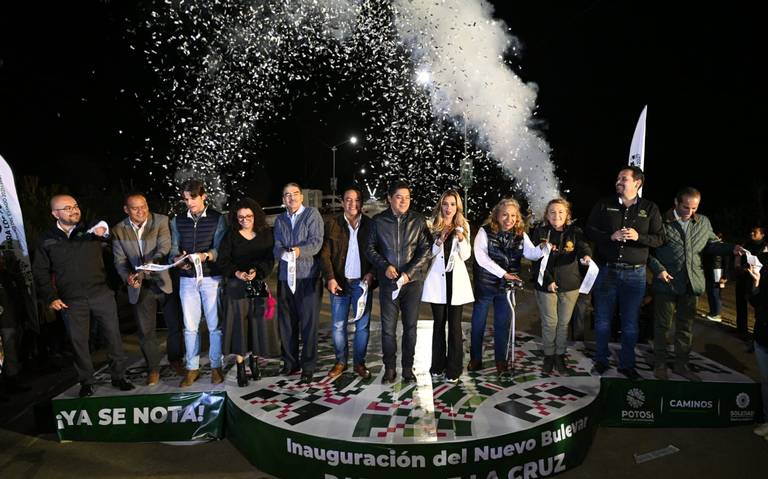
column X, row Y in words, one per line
column 458, row 218
column 562, row 202
column 259, row 218
column 518, row 228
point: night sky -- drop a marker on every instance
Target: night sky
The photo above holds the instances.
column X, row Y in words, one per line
column 73, row 107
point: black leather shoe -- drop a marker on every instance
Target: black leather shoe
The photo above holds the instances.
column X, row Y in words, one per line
column 307, row 377
column 630, row 373
column 86, row 390
column 601, row 368
column 289, row 372
column 408, row 376
column 389, row 376
column 122, row 384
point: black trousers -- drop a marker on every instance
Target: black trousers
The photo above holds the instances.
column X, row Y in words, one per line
column 451, row 362
column 77, row 318
column 407, row 304
column 151, row 298
column 299, row 313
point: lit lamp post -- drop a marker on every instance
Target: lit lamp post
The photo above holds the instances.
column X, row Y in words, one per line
column 334, row 180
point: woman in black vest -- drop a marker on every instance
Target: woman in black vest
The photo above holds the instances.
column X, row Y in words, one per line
column 558, row 291
column 499, row 246
column 246, row 258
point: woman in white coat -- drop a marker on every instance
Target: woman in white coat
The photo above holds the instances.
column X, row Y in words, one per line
column 447, row 286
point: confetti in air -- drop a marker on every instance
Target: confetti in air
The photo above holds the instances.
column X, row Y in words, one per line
column 431, row 80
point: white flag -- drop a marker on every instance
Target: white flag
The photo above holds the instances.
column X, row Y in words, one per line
column 637, row 149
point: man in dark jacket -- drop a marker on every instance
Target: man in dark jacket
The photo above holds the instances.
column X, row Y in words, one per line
column 679, row 278
column 345, row 269
column 623, row 228
column 399, row 246
column 70, row 276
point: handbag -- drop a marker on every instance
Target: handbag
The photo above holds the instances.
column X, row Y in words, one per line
column 270, row 304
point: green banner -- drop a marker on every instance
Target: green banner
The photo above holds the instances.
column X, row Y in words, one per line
column 679, row 403
column 536, row 452
column 141, row 418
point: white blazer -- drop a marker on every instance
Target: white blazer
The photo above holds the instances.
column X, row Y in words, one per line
column 434, row 286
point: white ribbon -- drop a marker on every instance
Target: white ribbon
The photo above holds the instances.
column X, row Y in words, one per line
column 511, row 337
column 198, row 268
column 544, row 260
column 161, row 267
column 589, row 278
column 361, row 302
column 399, row 284
column 291, row 269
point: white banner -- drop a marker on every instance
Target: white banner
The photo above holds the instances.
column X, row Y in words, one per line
column 13, row 241
column 637, row 149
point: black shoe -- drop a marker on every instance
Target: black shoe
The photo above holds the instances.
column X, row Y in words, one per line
column 285, row 371
column 122, row 384
column 389, row 376
column 86, row 390
column 242, row 379
column 630, row 373
column 601, row 368
column 306, row 377
column 409, row 377
column 253, row 363
column 560, row 366
column 549, row 364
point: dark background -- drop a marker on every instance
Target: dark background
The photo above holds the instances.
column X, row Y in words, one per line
column 73, row 109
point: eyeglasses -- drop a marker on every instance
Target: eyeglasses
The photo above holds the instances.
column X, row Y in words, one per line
column 68, row 208
column 246, row 217
column 291, row 195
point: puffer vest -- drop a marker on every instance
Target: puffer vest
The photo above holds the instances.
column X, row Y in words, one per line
column 506, row 250
column 196, row 236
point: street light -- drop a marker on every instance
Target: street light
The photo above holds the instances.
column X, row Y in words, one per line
column 334, row 180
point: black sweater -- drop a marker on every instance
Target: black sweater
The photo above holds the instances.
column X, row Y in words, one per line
column 563, row 264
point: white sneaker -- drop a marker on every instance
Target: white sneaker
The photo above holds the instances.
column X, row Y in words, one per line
column 761, row 430
column 716, row 318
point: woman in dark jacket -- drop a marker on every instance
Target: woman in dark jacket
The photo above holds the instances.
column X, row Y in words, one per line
column 557, row 285
column 245, row 257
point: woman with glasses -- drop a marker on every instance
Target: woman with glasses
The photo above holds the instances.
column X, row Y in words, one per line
column 447, row 286
column 246, row 259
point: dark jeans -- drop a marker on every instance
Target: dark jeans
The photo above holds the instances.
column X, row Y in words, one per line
column 407, row 303
column 501, row 323
column 678, row 310
column 713, row 297
column 627, row 288
column 743, row 290
column 151, row 298
column 298, row 313
column 78, row 318
column 451, row 362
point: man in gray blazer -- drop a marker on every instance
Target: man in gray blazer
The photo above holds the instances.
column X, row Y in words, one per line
column 145, row 237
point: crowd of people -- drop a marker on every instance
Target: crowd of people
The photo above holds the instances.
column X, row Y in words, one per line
column 205, row 265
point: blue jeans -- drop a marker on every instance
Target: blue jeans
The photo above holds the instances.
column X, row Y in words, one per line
column 197, row 299
column 340, row 306
column 501, row 319
column 761, row 355
column 627, row 287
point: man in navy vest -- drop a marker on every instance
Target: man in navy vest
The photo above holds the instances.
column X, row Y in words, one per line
column 198, row 234
column 298, row 238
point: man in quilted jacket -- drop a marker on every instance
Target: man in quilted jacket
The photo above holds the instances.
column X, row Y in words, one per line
column 679, row 278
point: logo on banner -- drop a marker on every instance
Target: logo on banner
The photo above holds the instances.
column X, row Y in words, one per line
column 636, row 400
column 743, row 414
column 742, row 400
column 692, row 404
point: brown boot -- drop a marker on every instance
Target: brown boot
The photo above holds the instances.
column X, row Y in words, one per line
column 178, row 367
column 190, row 378
column 362, row 371
column 153, row 378
column 474, row 365
column 502, row 367
column 217, row 376
column 338, row 368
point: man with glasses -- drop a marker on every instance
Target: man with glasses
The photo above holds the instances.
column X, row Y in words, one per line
column 145, row 237
column 198, row 234
column 70, row 276
column 347, row 271
column 298, row 238
column 399, row 246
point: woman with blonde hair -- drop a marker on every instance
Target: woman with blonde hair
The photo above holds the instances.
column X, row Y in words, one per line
column 499, row 247
column 447, row 286
column 557, row 284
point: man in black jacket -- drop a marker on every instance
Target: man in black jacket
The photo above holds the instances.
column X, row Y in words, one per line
column 624, row 228
column 345, row 269
column 399, row 248
column 70, row 275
